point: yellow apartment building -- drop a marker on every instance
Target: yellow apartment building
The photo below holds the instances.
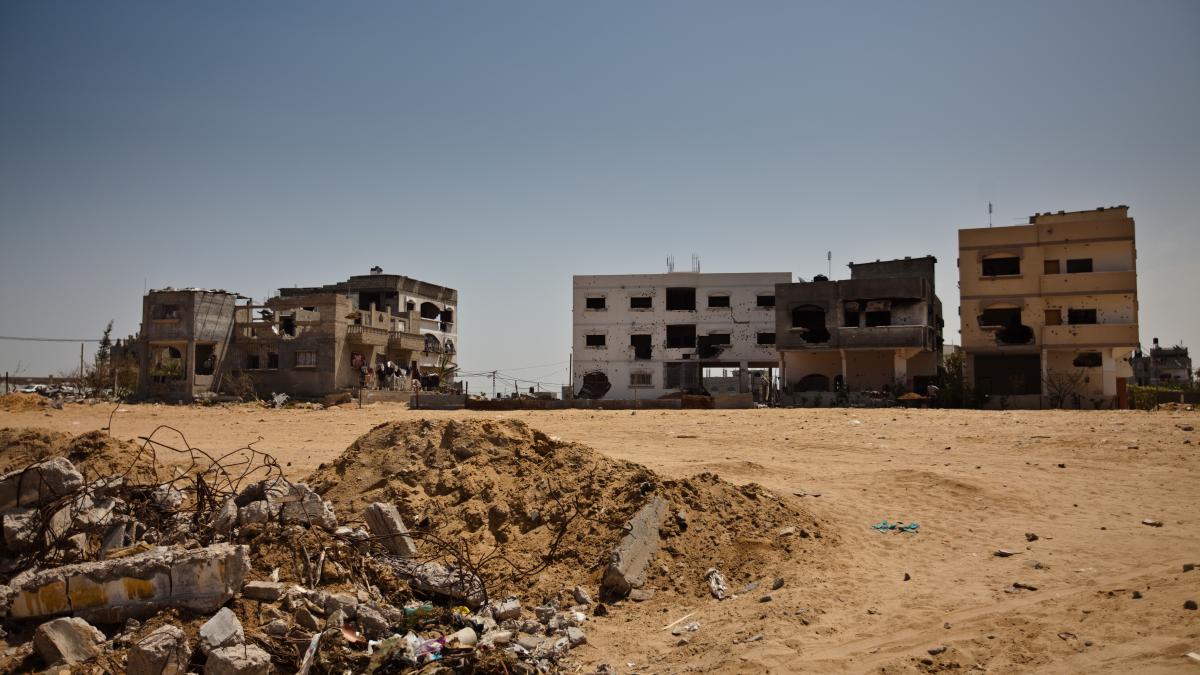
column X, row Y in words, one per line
column 1049, row 310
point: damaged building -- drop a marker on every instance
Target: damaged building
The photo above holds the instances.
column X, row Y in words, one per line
column 1162, row 365
column 642, row 336
column 879, row 330
column 1049, row 309
column 307, row 342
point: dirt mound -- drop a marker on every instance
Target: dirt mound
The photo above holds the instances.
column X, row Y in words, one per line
column 502, row 489
column 17, row 402
column 95, row 453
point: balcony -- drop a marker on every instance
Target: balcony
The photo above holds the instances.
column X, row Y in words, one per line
column 405, row 341
column 1085, row 283
column 367, row 335
column 1096, row 334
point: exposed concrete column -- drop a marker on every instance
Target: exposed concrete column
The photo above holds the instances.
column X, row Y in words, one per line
column 1110, row 372
column 899, row 366
column 845, row 380
column 1045, row 370
column 189, row 354
column 743, row 377
column 782, row 371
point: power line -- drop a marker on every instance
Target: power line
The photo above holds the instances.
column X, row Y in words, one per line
column 46, row 339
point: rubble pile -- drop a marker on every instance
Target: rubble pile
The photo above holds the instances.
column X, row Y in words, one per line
column 475, row 546
column 20, row 402
column 489, row 483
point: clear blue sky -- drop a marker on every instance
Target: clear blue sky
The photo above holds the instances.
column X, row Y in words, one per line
column 501, row 147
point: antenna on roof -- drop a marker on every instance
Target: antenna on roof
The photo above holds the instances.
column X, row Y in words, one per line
column 670, row 264
column 695, row 263
column 989, row 214
column 829, row 261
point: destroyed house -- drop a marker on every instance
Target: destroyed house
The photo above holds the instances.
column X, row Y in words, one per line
column 880, row 330
column 1049, row 309
column 643, row 336
column 1162, row 365
column 305, row 342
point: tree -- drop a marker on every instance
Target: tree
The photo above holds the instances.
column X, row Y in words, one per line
column 955, row 393
column 104, row 352
column 1063, row 387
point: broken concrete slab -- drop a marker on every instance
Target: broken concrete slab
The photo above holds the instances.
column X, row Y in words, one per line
column 437, row 579
column 82, row 514
column 109, row 591
column 385, row 522
column 226, row 517
column 628, row 562
column 263, row 591
column 506, row 609
column 305, row 507
column 20, row 528
column 163, row 652
column 67, row 640
column 295, row 503
column 221, row 630
column 254, row 512
column 39, row 483
column 238, row 660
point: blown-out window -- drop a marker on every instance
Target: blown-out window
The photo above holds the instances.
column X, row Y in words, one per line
column 1001, row 266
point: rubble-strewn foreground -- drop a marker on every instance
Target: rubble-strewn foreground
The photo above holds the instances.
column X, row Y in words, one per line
column 474, row 546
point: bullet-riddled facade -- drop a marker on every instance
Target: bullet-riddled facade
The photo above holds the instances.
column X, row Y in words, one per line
column 1049, row 310
column 642, row 336
column 306, row 342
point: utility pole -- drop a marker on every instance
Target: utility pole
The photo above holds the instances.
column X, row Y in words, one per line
column 81, row 366
column 493, row 384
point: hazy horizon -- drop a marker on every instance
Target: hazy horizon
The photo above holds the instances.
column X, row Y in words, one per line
column 500, row 149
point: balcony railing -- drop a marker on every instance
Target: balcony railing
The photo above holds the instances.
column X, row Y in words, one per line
column 402, row 340
column 367, row 335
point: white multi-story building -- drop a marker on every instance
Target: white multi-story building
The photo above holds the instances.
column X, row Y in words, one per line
column 641, row 336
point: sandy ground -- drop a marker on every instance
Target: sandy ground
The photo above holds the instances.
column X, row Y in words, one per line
column 975, row 481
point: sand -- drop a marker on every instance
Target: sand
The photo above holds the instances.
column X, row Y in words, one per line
column 974, row 481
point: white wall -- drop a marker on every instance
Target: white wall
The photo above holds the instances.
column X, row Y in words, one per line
column 743, row 320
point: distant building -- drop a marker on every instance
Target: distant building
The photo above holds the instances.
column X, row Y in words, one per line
column 1047, row 302
column 1162, row 365
column 641, row 336
column 307, row 342
column 880, row 330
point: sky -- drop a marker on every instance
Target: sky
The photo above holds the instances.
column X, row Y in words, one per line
column 499, row 148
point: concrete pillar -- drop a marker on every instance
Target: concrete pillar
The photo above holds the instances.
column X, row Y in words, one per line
column 1110, row 372
column 845, row 380
column 743, row 377
column 1045, row 370
column 899, row 367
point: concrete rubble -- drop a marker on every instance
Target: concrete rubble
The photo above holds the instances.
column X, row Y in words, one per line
column 628, row 563
column 222, row 630
column 67, row 640
column 163, row 652
column 137, row 586
column 384, row 521
column 262, row 577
